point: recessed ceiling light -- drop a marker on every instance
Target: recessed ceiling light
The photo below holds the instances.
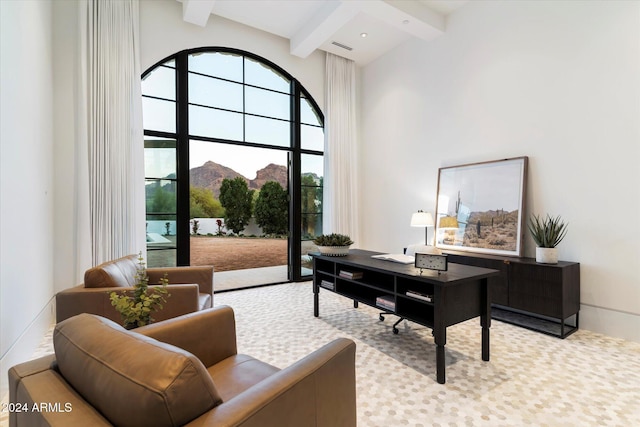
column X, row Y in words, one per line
column 405, row 22
column 363, row 35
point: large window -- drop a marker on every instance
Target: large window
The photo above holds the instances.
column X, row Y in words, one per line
column 198, row 102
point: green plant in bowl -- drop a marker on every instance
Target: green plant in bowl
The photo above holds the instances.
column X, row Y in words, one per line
column 547, row 232
column 333, row 239
column 333, row 244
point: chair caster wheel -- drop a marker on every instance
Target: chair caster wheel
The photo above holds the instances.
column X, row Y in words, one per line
column 395, row 331
column 381, row 317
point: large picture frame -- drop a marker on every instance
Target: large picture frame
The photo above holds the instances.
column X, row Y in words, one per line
column 480, row 207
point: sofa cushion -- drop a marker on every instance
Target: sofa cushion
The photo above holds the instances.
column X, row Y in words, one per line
column 119, row 272
column 131, row 379
column 238, row 373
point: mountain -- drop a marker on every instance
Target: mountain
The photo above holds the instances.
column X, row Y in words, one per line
column 211, row 174
column 270, row 172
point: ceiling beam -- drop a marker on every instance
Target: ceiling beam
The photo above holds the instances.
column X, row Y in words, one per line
column 329, row 19
column 409, row 16
column 197, row 11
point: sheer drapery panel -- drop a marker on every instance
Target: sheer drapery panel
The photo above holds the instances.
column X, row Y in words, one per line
column 112, row 111
column 340, row 189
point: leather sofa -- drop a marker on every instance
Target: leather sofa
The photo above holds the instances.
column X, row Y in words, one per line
column 182, row 371
column 191, row 289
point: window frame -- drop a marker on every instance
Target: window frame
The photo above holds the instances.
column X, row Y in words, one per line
column 182, row 138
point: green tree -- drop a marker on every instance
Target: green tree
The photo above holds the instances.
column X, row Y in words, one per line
column 271, row 209
column 311, row 203
column 203, row 204
column 162, row 200
column 236, row 199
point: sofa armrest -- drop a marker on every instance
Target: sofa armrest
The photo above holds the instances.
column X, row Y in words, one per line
column 319, row 390
column 201, row 275
column 76, row 300
column 208, row 334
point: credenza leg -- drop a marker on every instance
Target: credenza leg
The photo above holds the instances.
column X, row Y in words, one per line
column 355, row 304
column 316, row 300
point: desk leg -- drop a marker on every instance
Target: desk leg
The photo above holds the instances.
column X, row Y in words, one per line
column 440, row 364
column 439, row 333
column 316, row 290
column 485, row 318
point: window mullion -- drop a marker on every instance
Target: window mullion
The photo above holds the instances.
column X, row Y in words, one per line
column 182, row 217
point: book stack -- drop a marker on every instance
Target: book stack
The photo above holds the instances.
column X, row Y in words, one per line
column 353, row 275
column 420, row 296
column 327, row 284
column 387, row 302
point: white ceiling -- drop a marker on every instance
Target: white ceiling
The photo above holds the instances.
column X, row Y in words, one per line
column 317, row 24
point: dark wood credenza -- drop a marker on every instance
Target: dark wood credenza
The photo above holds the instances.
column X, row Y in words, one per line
column 541, row 297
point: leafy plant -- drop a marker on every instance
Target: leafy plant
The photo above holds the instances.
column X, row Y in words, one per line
column 136, row 309
column 547, row 232
column 333, row 240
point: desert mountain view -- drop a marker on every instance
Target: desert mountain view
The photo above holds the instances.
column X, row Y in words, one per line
column 210, row 176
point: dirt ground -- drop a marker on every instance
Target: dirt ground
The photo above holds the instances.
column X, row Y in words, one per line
column 236, row 253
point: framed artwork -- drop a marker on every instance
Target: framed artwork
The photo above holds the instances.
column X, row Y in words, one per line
column 480, row 207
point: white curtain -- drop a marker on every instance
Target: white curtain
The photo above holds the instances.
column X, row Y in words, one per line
column 110, row 127
column 340, row 211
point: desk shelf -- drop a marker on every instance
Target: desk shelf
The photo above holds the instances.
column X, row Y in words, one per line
column 418, row 311
column 359, row 291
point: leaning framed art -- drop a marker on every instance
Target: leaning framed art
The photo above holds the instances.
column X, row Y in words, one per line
column 480, row 207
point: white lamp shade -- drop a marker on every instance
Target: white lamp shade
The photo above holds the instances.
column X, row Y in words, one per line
column 421, row 219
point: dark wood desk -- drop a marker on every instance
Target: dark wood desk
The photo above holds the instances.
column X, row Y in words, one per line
column 459, row 294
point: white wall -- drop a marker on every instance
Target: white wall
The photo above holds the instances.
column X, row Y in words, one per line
column 72, row 256
column 26, row 185
column 163, row 33
column 556, row 81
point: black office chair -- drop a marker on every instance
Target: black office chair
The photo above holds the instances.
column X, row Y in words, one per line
column 395, row 325
column 410, row 250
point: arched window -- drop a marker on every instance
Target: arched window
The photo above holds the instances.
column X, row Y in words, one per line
column 206, row 107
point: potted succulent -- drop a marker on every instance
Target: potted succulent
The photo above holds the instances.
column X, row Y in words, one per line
column 333, row 244
column 136, row 309
column 547, row 233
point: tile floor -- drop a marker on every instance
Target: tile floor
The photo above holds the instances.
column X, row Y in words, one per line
column 532, row 379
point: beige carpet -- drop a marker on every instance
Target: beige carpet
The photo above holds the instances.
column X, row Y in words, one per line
column 532, row 379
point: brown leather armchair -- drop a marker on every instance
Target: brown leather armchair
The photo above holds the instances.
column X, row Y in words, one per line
column 191, row 289
column 182, row 371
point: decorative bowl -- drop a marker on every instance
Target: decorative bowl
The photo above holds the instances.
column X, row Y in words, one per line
column 334, row 250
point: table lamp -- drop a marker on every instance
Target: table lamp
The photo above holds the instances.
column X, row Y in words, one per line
column 422, row 219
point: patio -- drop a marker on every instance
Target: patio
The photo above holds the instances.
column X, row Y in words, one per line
column 239, row 262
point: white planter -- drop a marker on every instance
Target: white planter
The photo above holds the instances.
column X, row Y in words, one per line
column 334, row 250
column 547, row 255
